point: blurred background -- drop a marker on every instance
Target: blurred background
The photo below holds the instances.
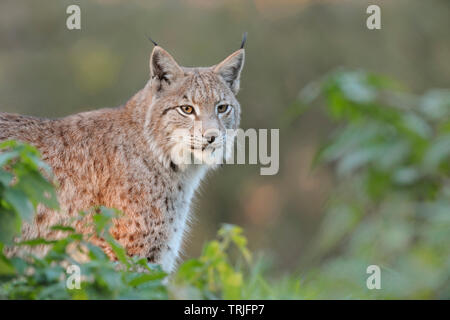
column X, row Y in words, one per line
column 47, row 70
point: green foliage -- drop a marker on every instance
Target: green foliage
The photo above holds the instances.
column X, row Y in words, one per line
column 391, row 204
column 18, row 201
column 212, row 275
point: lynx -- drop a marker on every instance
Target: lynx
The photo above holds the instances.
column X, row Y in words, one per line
column 122, row 157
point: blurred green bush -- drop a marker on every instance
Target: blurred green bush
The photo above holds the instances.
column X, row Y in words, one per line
column 391, row 200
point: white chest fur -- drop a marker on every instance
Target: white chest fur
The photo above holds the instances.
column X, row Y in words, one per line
column 176, row 232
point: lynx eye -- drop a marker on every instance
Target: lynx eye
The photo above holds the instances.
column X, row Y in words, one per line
column 222, row 108
column 187, row 109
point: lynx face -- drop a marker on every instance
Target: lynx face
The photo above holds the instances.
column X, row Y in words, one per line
column 192, row 108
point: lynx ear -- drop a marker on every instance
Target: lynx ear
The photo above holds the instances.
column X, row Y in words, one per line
column 230, row 69
column 163, row 67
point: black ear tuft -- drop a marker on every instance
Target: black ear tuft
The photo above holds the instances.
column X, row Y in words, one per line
column 244, row 39
column 154, row 43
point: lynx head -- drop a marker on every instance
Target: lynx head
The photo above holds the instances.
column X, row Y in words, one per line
column 193, row 109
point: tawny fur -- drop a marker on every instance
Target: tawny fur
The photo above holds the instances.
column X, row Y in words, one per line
column 121, row 157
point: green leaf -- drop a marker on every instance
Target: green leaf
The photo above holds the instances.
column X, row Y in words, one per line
column 20, row 202
column 5, row 177
column 38, row 190
column 439, row 152
column 36, row 242
column 147, row 278
column 9, row 225
column 7, row 156
column 63, row 228
column 118, row 250
column 6, row 266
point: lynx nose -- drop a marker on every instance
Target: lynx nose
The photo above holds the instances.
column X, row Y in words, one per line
column 211, row 139
column 211, row 136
